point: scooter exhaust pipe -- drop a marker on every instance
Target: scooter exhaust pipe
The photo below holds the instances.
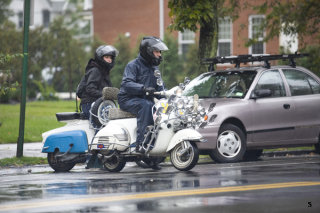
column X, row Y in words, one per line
column 104, row 158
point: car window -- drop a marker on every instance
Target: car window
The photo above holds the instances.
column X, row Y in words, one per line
column 233, row 84
column 301, row 83
column 272, row 80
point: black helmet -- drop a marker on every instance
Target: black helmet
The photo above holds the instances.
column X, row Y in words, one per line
column 150, row 44
column 104, row 50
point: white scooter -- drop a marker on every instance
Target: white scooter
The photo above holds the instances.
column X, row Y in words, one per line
column 175, row 119
column 173, row 133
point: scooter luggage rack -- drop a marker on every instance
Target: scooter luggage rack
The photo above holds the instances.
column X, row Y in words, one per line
column 237, row 60
column 152, row 132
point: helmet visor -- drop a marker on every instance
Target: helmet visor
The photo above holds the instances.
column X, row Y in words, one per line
column 107, row 50
column 160, row 46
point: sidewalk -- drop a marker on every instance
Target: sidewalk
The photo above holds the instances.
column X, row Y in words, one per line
column 34, row 150
column 29, row 150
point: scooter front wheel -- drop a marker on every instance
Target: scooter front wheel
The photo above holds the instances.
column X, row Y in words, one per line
column 184, row 156
column 59, row 166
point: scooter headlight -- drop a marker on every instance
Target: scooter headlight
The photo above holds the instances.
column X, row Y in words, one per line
column 122, row 135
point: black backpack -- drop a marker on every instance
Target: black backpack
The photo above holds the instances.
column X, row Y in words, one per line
column 81, row 87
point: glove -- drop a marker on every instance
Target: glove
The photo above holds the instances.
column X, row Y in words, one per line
column 149, row 91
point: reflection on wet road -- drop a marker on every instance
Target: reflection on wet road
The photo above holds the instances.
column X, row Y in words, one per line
column 288, row 184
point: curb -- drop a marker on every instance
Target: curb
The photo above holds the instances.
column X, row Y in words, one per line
column 288, row 153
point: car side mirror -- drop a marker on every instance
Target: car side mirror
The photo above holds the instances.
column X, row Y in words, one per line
column 261, row 93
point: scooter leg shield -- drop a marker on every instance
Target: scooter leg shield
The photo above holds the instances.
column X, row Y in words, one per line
column 63, row 141
column 184, row 135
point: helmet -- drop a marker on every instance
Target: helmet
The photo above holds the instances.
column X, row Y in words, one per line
column 104, row 50
column 150, row 44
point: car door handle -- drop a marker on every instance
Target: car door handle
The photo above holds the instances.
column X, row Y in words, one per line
column 286, row 106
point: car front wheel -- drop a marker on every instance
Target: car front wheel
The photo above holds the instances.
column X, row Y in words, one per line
column 231, row 145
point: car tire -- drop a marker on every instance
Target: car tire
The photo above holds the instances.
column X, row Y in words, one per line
column 230, row 146
column 252, row 155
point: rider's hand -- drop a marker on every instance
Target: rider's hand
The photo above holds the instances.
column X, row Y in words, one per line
column 149, row 91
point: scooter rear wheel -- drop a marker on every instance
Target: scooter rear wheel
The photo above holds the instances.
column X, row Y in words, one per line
column 59, row 166
column 114, row 164
column 186, row 160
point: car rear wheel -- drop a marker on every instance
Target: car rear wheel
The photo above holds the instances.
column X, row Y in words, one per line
column 231, row 145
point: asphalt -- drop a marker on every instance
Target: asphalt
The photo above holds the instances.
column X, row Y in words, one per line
column 34, row 150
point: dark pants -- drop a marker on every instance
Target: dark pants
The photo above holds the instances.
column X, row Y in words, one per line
column 85, row 107
column 142, row 108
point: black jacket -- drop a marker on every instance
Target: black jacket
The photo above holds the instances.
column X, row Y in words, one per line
column 137, row 75
column 97, row 77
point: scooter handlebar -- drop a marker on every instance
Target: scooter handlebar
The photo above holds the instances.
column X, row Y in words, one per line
column 163, row 93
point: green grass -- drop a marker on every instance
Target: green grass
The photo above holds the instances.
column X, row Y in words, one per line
column 40, row 117
column 23, row 161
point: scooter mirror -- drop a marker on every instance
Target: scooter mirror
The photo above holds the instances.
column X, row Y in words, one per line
column 186, row 80
column 159, row 82
column 157, row 73
column 182, row 86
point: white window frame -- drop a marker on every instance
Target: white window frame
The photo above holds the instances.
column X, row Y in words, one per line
column 227, row 40
column 250, row 32
column 181, row 41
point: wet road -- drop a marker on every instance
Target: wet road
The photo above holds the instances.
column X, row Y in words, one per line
column 289, row 184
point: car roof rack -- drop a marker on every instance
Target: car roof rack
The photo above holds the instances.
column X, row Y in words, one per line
column 237, row 60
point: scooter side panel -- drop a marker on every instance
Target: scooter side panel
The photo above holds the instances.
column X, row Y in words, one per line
column 63, row 140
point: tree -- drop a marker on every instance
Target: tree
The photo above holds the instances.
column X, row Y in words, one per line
column 171, row 67
column 67, row 57
column 123, row 46
column 190, row 14
column 4, row 10
column 293, row 17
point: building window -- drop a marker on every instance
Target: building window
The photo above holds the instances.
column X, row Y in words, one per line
column 46, row 18
column 225, row 37
column 20, row 19
column 186, row 38
column 256, row 33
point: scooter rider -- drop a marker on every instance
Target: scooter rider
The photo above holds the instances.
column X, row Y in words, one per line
column 97, row 76
column 139, row 84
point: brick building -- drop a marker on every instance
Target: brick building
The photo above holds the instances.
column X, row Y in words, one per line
column 150, row 17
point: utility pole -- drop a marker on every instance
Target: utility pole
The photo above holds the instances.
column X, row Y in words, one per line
column 26, row 24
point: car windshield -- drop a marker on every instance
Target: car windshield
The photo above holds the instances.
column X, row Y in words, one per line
column 233, row 84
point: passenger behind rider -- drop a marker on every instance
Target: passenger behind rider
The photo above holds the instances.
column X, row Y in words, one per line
column 139, row 84
column 97, row 76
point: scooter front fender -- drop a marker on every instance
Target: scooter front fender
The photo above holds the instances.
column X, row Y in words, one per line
column 74, row 141
column 184, row 135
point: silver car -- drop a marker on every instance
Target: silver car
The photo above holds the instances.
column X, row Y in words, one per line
column 256, row 108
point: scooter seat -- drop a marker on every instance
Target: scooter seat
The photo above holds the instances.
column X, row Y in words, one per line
column 115, row 113
column 64, row 116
